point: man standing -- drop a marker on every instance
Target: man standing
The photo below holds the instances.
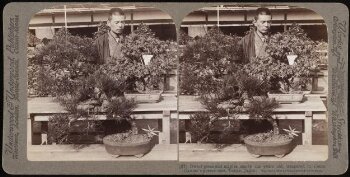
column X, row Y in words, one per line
column 109, row 44
column 255, row 42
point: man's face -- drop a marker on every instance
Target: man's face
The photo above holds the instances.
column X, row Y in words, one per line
column 263, row 23
column 116, row 23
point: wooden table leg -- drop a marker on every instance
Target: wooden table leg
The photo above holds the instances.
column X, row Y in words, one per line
column 30, row 141
column 165, row 127
column 307, row 139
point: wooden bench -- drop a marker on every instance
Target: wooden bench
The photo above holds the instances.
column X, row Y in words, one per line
column 41, row 108
column 311, row 109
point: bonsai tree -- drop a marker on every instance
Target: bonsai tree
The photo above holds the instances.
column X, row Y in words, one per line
column 261, row 108
column 59, row 67
column 294, row 41
column 268, row 143
column 86, row 90
column 286, row 74
column 205, row 62
column 202, row 124
column 234, row 92
column 61, row 126
column 226, row 103
column 143, row 75
column 280, row 76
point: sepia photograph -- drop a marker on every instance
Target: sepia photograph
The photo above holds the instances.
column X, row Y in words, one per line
column 175, row 88
column 102, row 84
column 253, row 84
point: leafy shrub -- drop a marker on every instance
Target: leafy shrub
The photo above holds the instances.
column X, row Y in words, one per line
column 252, row 86
column 32, row 40
column 208, row 58
column 59, row 128
column 275, row 67
column 143, row 42
column 184, row 39
column 40, row 81
column 240, row 83
column 201, row 124
column 110, row 78
column 279, row 75
column 67, row 58
column 322, row 49
column 292, row 41
column 82, row 87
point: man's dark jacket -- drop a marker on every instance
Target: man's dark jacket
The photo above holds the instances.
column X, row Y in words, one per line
column 248, row 46
column 102, row 44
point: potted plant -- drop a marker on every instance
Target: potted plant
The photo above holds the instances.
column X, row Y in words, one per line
column 86, row 90
column 149, row 60
column 296, row 54
column 293, row 41
column 121, row 134
column 222, row 108
column 129, row 142
column 287, row 83
column 103, row 93
column 269, row 143
column 232, row 96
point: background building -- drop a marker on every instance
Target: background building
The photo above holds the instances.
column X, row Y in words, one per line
column 83, row 19
column 237, row 20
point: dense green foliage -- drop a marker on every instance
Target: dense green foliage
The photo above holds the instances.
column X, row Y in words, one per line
column 206, row 60
column 66, row 68
column 60, row 67
column 143, row 77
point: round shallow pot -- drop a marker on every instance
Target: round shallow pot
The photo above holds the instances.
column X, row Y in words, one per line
column 137, row 149
column 278, row 149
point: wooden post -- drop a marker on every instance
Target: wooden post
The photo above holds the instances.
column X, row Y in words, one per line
column 132, row 21
column 206, row 22
column 30, row 141
column 65, row 17
column 165, row 139
column 53, row 18
column 218, row 16
column 44, row 132
column 315, row 81
column 307, row 138
column 285, row 22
